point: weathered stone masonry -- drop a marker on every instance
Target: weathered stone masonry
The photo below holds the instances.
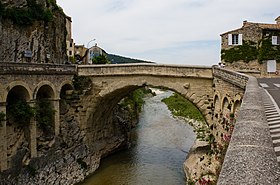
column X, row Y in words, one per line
column 26, row 81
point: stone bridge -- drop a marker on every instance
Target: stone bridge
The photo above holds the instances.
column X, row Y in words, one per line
column 216, row 92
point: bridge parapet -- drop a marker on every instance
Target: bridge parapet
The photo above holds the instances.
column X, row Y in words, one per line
column 232, row 77
column 250, row 158
column 145, row 69
column 35, row 68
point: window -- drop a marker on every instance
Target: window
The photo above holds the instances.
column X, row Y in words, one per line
column 70, row 53
column 275, row 40
column 234, row 39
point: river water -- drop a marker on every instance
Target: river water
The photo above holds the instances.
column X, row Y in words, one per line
column 160, row 144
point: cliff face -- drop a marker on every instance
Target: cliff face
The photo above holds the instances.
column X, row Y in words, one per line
column 41, row 40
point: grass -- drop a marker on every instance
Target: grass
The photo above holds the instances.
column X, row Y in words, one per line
column 180, row 106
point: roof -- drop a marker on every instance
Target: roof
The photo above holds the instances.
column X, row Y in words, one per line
column 263, row 26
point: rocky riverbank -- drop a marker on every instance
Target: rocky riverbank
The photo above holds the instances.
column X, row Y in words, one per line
column 204, row 160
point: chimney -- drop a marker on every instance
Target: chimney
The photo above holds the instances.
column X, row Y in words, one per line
column 277, row 20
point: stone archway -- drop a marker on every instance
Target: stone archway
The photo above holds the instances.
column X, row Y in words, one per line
column 66, row 91
column 108, row 91
column 18, row 123
column 45, row 116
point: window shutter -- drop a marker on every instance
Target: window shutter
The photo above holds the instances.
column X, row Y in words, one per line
column 229, row 39
column 274, row 40
column 239, row 39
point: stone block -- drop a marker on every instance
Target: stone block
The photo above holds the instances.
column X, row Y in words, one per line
column 246, row 164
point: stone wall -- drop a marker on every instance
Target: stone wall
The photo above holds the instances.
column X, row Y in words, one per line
column 69, row 160
column 249, row 33
column 46, row 41
column 205, row 159
column 250, row 158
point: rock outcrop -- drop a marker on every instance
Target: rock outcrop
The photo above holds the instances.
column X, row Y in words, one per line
column 68, row 159
column 38, row 41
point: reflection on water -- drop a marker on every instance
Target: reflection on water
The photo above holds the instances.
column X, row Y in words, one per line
column 159, row 148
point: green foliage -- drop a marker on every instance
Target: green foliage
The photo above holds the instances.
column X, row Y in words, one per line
column 72, row 59
column 26, row 16
column 2, row 116
column 264, row 50
column 81, row 83
column 182, row 107
column 21, row 112
column 134, row 101
column 247, row 52
column 44, row 114
column 267, row 51
column 101, row 59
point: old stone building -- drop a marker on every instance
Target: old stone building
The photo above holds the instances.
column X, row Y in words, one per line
column 254, row 48
column 70, row 45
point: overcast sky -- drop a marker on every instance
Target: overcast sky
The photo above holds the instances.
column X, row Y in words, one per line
column 163, row 31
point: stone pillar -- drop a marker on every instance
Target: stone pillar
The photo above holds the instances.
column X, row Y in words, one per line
column 56, row 116
column 32, row 138
column 3, row 140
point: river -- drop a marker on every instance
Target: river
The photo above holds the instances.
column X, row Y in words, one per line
column 160, row 144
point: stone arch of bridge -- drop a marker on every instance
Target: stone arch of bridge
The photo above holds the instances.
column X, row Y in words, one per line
column 46, row 89
column 107, row 92
column 23, row 90
column 226, row 106
column 16, row 132
column 236, row 103
column 65, row 85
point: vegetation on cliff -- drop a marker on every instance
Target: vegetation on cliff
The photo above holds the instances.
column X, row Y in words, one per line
column 134, row 101
column 25, row 16
column 204, row 161
column 20, row 112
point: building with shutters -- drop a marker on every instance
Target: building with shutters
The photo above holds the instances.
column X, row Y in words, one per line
column 70, row 45
column 253, row 48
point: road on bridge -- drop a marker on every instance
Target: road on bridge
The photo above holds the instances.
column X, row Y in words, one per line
column 272, row 85
column 271, row 106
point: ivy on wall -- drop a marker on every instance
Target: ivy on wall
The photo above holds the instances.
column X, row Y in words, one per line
column 267, row 51
column 249, row 51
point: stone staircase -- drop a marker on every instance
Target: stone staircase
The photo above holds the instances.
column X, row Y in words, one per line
column 273, row 118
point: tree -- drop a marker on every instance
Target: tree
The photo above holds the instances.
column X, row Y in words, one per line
column 101, row 59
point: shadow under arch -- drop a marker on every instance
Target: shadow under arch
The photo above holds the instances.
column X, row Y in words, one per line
column 65, row 93
column 44, row 95
column 22, row 90
column 45, row 89
column 17, row 132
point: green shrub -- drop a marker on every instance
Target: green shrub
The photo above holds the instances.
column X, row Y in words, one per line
column 81, row 83
column 101, row 59
column 21, row 112
column 44, row 114
column 26, row 16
